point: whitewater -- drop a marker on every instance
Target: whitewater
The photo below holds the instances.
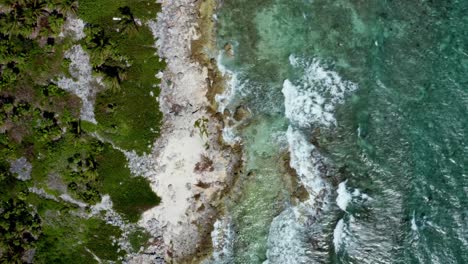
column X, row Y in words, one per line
column 309, row 102
column 351, row 119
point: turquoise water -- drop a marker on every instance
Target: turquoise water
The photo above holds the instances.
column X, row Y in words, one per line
column 367, row 101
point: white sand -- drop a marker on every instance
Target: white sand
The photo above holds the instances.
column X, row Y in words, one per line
column 181, row 146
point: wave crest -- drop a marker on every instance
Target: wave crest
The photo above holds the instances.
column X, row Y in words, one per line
column 309, row 101
column 312, row 99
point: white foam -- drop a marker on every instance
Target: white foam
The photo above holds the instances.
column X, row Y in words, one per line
column 286, row 240
column 339, row 235
column 309, row 101
column 365, row 196
column 304, row 161
column 305, row 107
column 414, row 227
column 222, row 238
column 356, row 192
column 234, row 87
column 229, row 136
column 313, row 98
column 224, row 71
column 344, row 197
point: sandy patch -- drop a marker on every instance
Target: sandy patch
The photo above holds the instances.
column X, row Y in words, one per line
column 189, row 195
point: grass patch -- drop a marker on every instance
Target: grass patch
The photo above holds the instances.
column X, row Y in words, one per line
column 72, row 158
column 68, row 239
column 102, row 12
column 46, row 205
column 101, row 239
column 138, row 238
column 123, row 53
column 130, row 116
column 131, row 196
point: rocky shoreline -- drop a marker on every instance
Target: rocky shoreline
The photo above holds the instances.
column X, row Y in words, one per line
column 191, row 168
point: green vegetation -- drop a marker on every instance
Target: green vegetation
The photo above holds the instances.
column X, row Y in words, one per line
column 138, row 238
column 40, row 122
column 19, row 225
column 122, row 51
column 201, row 124
column 19, row 229
column 131, row 195
column 66, row 239
column 130, row 116
column 101, row 12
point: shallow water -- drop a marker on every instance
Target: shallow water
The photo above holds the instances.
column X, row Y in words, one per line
column 369, row 102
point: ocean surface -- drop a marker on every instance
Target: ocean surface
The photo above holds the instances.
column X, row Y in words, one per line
column 353, row 117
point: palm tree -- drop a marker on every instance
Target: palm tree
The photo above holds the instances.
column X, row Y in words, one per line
column 66, row 6
column 100, row 46
column 112, row 83
column 7, row 75
column 114, row 76
column 17, row 22
column 15, row 3
column 13, row 24
column 100, row 54
column 37, row 8
column 127, row 23
column 4, row 53
column 10, row 3
column 55, row 23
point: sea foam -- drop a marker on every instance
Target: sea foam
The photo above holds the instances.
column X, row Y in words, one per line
column 305, row 160
column 339, row 234
column 234, row 87
column 312, row 99
column 344, row 197
column 343, row 228
column 287, row 242
column 222, row 238
column 226, row 101
column 309, row 102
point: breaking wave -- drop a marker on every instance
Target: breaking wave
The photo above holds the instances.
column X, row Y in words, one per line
column 222, row 238
column 312, row 99
column 309, row 102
